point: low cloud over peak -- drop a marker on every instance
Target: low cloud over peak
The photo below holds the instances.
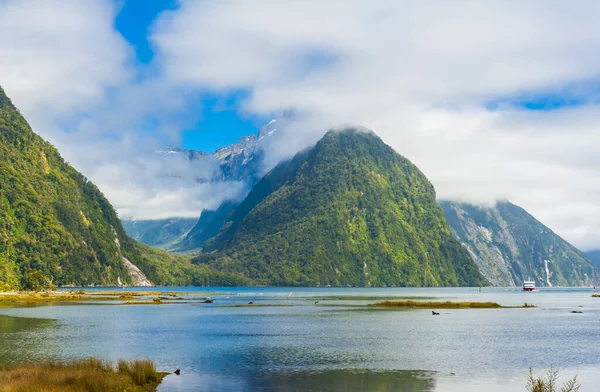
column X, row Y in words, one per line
column 492, row 100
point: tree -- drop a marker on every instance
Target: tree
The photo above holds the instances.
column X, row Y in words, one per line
column 36, row 281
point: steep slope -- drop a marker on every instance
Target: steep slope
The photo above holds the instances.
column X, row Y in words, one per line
column 207, row 226
column 159, row 233
column 594, row 256
column 56, row 222
column 240, row 161
column 509, row 245
column 349, row 211
column 52, row 219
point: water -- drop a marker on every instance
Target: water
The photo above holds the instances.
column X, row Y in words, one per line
column 337, row 344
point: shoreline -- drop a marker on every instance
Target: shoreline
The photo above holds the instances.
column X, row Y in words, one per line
column 138, row 375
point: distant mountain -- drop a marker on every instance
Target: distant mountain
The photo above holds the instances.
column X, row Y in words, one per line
column 159, row 233
column 509, row 245
column 237, row 162
column 56, row 226
column 350, row 211
column 206, row 227
column 594, row 256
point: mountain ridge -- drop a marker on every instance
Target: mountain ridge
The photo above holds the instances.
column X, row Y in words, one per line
column 349, row 211
column 57, row 226
column 509, row 245
column 241, row 161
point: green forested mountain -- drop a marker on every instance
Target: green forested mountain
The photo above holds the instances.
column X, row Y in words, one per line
column 349, row 211
column 509, row 245
column 55, row 222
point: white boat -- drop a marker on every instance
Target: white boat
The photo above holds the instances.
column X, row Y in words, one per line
column 529, row 285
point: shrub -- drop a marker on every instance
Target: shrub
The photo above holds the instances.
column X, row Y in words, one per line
column 84, row 375
column 547, row 383
column 35, row 281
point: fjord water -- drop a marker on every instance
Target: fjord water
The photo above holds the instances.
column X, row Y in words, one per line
column 337, row 344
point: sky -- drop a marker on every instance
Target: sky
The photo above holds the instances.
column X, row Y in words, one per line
column 492, row 100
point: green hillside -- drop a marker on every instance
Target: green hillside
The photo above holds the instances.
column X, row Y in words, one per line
column 56, row 223
column 349, row 211
column 509, row 245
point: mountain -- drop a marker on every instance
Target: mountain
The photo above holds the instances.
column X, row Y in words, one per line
column 206, row 227
column 594, row 256
column 509, row 245
column 58, row 227
column 161, row 233
column 349, row 211
column 240, row 161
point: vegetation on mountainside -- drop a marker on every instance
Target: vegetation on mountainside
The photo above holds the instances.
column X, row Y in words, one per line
column 82, row 375
column 349, row 211
column 52, row 219
column 594, row 256
column 57, row 228
column 165, row 269
column 509, row 245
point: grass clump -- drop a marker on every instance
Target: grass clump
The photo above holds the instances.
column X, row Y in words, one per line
column 437, row 305
column 141, row 371
column 82, row 375
column 547, row 383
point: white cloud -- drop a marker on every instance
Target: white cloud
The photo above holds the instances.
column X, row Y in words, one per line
column 59, row 56
column 76, row 80
column 420, row 74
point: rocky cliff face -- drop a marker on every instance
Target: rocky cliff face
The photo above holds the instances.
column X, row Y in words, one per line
column 509, row 245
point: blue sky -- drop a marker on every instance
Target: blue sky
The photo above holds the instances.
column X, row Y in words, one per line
column 219, row 119
column 219, row 122
column 491, row 100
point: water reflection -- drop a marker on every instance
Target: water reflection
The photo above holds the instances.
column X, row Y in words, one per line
column 311, row 347
column 15, row 347
column 331, row 381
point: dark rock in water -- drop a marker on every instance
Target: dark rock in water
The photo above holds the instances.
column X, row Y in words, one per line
column 576, row 311
column 178, row 372
column 208, row 301
column 250, row 303
column 434, row 313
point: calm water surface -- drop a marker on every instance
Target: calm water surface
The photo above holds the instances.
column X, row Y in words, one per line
column 336, row 345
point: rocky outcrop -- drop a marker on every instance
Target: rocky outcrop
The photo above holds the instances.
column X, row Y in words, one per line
column 509, row 245
column 137, row 276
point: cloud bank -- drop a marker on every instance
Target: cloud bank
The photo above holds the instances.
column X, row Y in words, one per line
column 454, row 86
column 77, row 82
column 445, row 83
